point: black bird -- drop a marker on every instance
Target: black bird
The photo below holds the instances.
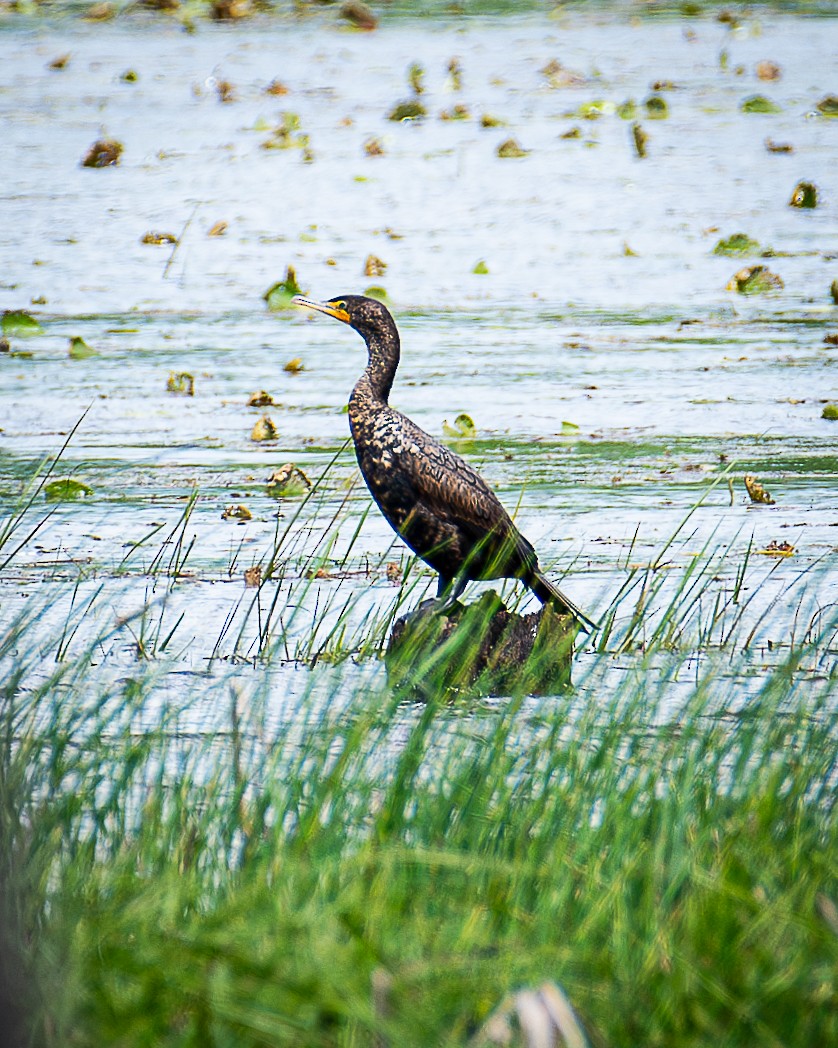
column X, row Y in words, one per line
column 439, row 505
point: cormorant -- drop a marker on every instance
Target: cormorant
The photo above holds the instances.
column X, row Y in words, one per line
column 439, row 504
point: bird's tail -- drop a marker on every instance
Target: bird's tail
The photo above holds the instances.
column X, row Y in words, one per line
column 547, row 592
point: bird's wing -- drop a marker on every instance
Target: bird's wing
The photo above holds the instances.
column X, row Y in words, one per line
column 448, row 486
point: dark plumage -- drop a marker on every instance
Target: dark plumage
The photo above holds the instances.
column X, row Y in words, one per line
column 439, row 505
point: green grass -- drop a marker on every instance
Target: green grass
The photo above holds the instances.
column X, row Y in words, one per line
column 241, row 885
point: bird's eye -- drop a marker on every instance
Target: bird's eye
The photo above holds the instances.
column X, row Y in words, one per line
column 340, row 305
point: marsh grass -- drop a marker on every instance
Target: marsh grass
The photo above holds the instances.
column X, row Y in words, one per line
column 207, row 866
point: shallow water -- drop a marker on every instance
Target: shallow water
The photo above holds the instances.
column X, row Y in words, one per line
column 669, row 378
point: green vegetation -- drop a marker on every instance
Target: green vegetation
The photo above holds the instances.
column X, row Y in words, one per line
column 223, row 869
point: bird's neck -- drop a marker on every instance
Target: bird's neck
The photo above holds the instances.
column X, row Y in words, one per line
column 383, row 349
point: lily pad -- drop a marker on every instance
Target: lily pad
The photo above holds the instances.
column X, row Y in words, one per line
column 754, row 280
column 264, row 429
column 103, row 153
column 237, row 512
column 288, row 481
column 760, row 104
column 410, row 110
column 627, row 110
column 181, row 382
column 79, row 349
column 481, row 269
column 511, row 149
column 66, row 490
column 378, row 293
column 279, row 295
column 463, row 428
column 805, row 195
column 17, row 323
column 828, row 106
column 737, row 245
column 656, row 107
column 830, row 412
column 756, row 492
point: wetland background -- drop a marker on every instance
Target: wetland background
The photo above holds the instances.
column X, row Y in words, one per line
column 189, row 749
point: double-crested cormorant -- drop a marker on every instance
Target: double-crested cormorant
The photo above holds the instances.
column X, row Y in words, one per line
column 439, row 505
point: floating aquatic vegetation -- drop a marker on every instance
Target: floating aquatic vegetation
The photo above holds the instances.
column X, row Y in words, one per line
column 455, row 75
column 756, row 492
column 569, row 427
column 61, row 62
column 181, row 382
column 410, row 110
column 102, row 12
column 463, row 428
column 573, row 132
column 640, row 139
column 627, row 110
column 105, row 152
column 828, row 106
column 378, row 293
column 358, row 15
column 79, row 349
column 416, row 78
column 738, row 244
column 457, row 112
column 230, row 10
column 294, row 366
column 260, row 400
column 511, row 149
column 374, row 266
column 237, row 512
column 595, row 109
column 17, row 323
column 253, row 577
column 66, row 490
column 657, row 107
column 754, row 280
column 759, row 104
column 830, row 412
column 833, row 290
column 130, row 76
column 805, row 195
column 288, row 481
column 559, row 76
column 287, row 134
column 777, row 549
column 766, row 70
column 217, row 229
column 481, row 269
column 276, row 88
column 778, row 147
column 158, row 238
column 831, row 340
column 373, row 147
column 264, row 429
column 226, row 91
column 487, row 120
column 279, row 295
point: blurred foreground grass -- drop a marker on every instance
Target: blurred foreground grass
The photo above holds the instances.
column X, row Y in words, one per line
column 242, row 886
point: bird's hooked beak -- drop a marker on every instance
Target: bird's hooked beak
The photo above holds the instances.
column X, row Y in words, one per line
column 331, row 309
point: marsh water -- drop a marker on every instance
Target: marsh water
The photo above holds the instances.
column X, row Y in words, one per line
column 610, row 376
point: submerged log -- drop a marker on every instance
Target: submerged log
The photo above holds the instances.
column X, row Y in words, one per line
column 480, row 648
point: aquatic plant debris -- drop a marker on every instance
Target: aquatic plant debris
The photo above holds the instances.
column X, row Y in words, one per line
column 105, row 152
column 158, row 238
column 287, row 482
column 410, row 110
column 264, row 429
column 66, row 490
column 510, row 149
column 756, row 492
column 640, row 139
column 736, row 245
column 463, row 428
column 754, row 280
column 828, row 106
column 374, row 266
column 17, row 323
column 830, row 412
column 238, row 512
column 760, row 104
column 294, row 366
column 181, row 382
column 805, row 195
column 262, row 399
column 358, row 15
column 279, row 295
column 79, row 349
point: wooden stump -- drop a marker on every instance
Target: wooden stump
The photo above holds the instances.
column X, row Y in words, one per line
column 480, row 648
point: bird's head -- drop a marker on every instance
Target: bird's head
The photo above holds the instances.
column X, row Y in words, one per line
column 366, row 315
